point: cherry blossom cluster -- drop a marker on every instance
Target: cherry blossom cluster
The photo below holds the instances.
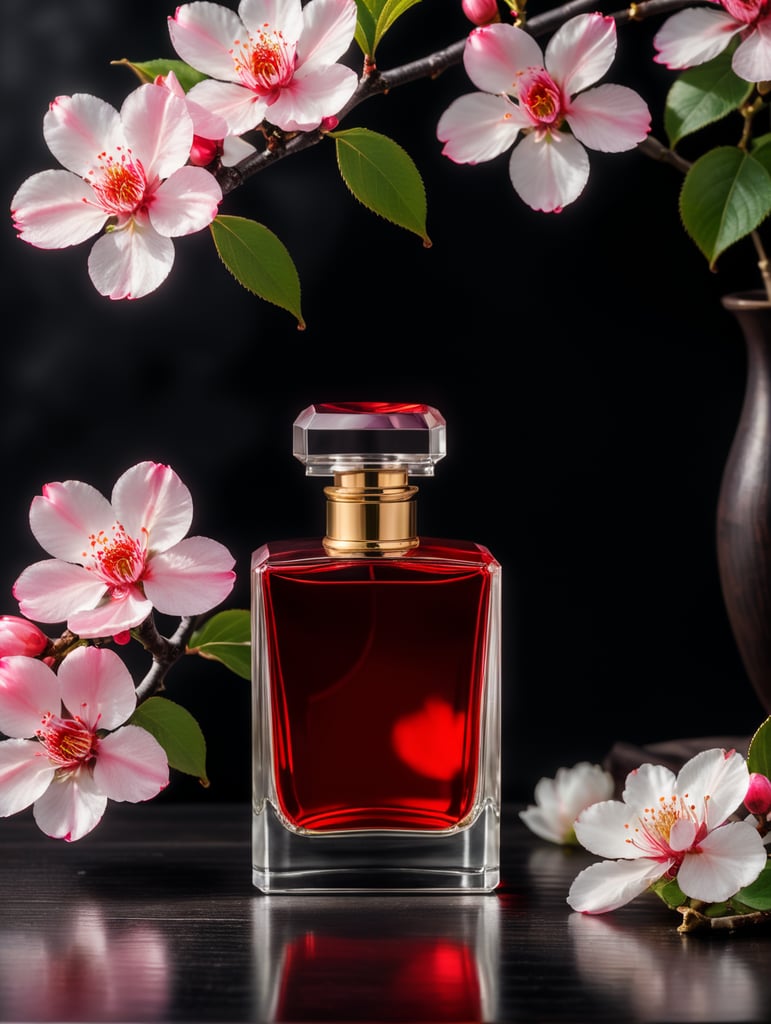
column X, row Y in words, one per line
column 66, row 704
column 151, row 172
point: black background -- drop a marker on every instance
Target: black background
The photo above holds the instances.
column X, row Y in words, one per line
column 589, row 376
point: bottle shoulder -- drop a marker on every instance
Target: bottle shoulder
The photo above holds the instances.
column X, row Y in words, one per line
column 434, row 550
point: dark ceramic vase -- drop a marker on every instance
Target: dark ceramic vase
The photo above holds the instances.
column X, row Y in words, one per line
column 744, row 505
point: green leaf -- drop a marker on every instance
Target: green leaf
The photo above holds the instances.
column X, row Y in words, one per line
column 703, row 95
column 383, row 177
column 177, row 732
column 148, row 70
column 726, row 195
column 258, row 261
column 375, row 17
column 226, row 637
column 759, row 751
column 758, row 894
column 670, row 892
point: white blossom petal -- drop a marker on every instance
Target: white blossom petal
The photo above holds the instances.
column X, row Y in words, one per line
column 752, row 59
column 729, row 858
column 66, row 515
column 97, row 687
column 549, row 174
column 327, row 32
column 694, row 36
column 239, row 107
column 158, row 129
column 71, row 806
column 203, row 34
column 609, row 885
column 116, row 615
column 28, row 690
column 284, row 14
column 25, row 774
column 609, row 118
column 152, row 502
column 131, row 765
column 51, row 591
column 186, row 202
column 478, row 127
column 581, row 51
column 191, row 578
column 78, row 128
column 607, row 829
column 302, row 106
column 495, row 53
column 52, row 210
column 130, row 263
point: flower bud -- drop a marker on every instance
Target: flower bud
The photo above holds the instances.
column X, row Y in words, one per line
column 758, row 798
column 481, row 12
column 203, row 151
column 20, row 636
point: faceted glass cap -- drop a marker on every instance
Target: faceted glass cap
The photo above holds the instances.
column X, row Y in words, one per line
column 334, row 436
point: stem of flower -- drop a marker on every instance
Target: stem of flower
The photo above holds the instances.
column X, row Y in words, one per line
column 165, row 652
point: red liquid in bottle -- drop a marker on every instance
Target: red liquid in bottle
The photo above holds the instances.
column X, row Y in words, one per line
column 377, row 676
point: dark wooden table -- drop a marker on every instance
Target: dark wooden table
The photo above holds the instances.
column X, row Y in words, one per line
column 153, row 918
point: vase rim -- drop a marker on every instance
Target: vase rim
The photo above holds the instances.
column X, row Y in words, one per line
column 754, row 299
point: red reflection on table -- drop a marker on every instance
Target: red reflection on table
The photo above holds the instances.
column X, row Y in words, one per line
column 328, row 978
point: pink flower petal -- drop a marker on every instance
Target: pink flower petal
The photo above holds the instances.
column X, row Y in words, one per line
column 241, row 108
column 153, row 503
column 113, row 616
column 285, row 15
column 78, row 128
column 609, row 118
column 25, row 774
column 191, row 578
column 51, row 210
column 131, row 263
column 53, row 590
column 581, row 51
column 328, row 28
column 494, row 53
column 158, row 129
column 548, row 175
column 97, row 687
column 203, row 35
column 611, row 884
column 728, row 858
column 694, row 36
column 71, row 806
column 186, row 202
column 752, row 60
column 28, row 690
column 304, row 104
column 65, row 516
column 131, row 765
column 479, row 127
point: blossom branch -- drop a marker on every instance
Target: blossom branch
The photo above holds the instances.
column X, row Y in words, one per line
column 165, row 652
column 375, row 82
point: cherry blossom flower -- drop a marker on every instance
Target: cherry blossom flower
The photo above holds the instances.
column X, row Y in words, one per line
column 19, row 636
column 560, row 800
column 127, row 172
column 81, row 754
column 757, row 799
column 274, row 60
column 540, row 96
column 667, row 826
column 698, row 34
column 481, row 12
column 114, row 561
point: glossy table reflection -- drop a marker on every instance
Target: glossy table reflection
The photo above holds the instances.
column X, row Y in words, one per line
column 153, row 918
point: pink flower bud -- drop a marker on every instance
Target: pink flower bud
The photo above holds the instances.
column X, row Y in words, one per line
column 20, row 636
column 203, row 151
column 481, row 12
column 758, row 798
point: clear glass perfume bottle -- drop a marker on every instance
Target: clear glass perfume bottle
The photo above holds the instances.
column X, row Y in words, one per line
column 376, row 676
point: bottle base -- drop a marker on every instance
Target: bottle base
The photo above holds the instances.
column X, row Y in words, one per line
column 360, row 862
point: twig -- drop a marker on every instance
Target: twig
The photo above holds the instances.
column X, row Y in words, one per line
column 165, row 651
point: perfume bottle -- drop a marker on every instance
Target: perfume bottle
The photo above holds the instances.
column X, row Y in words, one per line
column 376, row 676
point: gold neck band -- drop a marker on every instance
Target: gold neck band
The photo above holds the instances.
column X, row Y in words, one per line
column 371, row 512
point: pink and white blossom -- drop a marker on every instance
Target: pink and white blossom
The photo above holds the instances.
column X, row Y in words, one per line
column 127, row 172
column 114, row 561
column 699, row 34
column 560, row 800
column 275, row 60
column 69, row 751
column 666, row 826
column 545, row 99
